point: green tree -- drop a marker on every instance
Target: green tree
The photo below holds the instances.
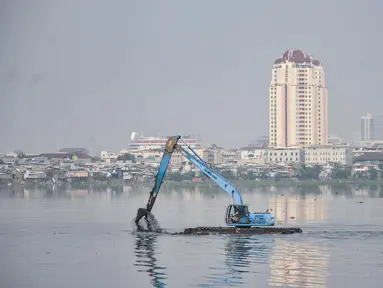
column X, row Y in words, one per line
column 126, row 157
column 252, row 175
column 361, row 175
column 372, row 173
column 380, row 166
column 188, row 176
column 176, row 176
column 242, row 173
column 309, row 172
column 228, row 174
column 340, row 172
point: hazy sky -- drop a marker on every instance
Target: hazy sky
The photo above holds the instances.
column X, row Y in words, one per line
column 89, row 73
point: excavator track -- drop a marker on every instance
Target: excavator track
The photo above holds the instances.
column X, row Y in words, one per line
column 234, row 230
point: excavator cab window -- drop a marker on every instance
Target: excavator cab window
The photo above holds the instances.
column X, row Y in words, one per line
column 236, row 214
column 242, row 210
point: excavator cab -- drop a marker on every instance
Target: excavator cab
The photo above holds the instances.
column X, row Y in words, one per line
column 237, row 215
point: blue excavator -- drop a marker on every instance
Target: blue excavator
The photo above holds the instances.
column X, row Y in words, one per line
column 237, row 214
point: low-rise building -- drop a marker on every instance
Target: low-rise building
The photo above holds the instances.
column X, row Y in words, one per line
column 327, row 154
column 252, row 152
column 251, row 155
column 230, row 156
column 212, row 156
column 108, row 156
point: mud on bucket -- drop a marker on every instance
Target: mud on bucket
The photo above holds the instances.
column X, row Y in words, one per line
column 145, row 221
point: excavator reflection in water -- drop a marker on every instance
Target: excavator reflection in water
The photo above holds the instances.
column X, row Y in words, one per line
column 146, row 259
column 237, row 214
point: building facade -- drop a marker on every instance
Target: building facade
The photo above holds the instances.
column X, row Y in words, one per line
column 327, row 154
column 366, row 128
column 297, row 101
column 140, row 142
column 285, row 155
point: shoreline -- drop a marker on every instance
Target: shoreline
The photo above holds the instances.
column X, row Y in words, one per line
column 242, row 183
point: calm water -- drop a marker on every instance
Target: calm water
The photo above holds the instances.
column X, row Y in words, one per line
column 80, row 238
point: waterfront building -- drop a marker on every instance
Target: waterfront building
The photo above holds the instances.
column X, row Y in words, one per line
column 140, row 142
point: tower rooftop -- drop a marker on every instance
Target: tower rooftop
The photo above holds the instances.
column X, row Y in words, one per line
column 297, row 56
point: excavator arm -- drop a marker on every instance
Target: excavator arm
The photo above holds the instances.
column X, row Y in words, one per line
column 169, row 149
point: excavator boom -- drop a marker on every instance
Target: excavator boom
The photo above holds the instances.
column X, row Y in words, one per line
column 210, row 173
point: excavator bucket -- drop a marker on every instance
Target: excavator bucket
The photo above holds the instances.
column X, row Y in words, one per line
column 145, row 221
column 141, row 212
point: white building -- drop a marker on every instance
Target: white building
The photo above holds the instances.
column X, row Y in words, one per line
column 321, row 155
column 104, row 155
column 140, row 142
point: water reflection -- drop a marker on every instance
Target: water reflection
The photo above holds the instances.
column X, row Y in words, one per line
column 300, row 207
column 145, row 252
column 241, row 253
column 197, row 192
column 298, row 264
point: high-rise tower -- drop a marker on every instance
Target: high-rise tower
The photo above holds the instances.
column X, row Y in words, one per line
column 371, row 128
column 367, row 128
column 297, row 101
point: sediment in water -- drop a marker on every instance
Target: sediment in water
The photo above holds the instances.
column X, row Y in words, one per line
column 148, row 223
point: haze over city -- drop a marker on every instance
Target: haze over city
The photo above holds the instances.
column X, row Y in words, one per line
column 89, row 73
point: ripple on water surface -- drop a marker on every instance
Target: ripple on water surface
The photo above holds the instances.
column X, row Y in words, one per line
column 241, row 254
column 263, row 260
column 298, row 264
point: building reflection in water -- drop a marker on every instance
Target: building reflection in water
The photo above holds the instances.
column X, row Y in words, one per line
column 242, row 254
column 301, row 207
column 298, row 264
column 146, row 261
